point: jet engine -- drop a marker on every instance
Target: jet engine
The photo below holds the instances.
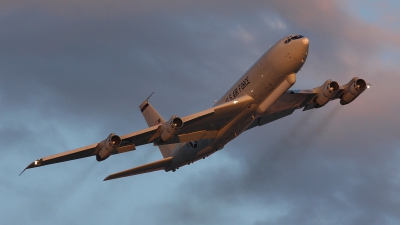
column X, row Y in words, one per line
column 171, row 128
column 107, row 146
column 352, row 90
column 326, row 92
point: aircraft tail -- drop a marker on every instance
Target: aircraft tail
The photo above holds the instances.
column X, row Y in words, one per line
column 153, row 118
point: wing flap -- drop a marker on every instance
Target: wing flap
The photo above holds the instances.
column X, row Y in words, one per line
column 150, row 167
column 194, row 136
column 125, row 148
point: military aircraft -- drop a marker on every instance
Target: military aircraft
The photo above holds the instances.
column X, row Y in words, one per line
column 259, row 97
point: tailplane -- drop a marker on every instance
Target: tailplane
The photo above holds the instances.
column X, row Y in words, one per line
column 153, row 118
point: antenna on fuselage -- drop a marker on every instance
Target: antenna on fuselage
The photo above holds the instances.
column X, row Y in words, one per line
column 149, row 96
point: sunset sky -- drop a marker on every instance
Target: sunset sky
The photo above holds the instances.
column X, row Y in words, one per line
column 72, row 72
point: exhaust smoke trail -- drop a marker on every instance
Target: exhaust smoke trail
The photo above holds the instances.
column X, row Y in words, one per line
column 299, row 138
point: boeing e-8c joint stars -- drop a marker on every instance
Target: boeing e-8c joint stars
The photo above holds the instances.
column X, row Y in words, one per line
column 260, row 96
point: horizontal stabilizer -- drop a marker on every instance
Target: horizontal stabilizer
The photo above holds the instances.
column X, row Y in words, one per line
column 154, row 166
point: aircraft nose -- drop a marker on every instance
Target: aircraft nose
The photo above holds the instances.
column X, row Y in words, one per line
column 302, row 45
column 299, row 40
column 304, row 48
column 305, row 41
column 300, row 50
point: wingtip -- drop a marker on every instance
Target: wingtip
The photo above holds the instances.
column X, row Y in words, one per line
column 111, row 177
column 23, row 171
column 29, row 166
column 114, row 176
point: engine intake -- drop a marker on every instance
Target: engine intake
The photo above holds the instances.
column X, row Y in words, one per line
column 354, row 88
column 107, row 146
column 326, row 92
column 171, row 128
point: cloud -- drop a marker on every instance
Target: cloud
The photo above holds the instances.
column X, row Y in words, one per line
column 73, row 72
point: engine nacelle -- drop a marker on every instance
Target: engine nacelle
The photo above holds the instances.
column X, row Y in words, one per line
column 107, row 146
column 171, row 128
column 326, row 92
column 354, row 88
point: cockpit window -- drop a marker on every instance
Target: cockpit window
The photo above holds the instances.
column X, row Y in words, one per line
column 293, row 37
column 297, row 37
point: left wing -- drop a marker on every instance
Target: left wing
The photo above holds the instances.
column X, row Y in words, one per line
column 202, row 125
column 314, row 98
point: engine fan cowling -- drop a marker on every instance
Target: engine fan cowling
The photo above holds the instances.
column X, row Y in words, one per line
column 355, row 88
column 326, row 93
column 107, row 146
column 171, row 128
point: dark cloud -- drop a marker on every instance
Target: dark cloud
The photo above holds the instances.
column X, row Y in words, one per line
column 73, row 72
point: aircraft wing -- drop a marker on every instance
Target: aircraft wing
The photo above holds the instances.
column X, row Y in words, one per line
column 201, row 125
column 150, row 167
column 285, row 106
column 308, row 99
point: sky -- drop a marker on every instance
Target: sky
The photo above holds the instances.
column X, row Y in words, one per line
column 72, row 72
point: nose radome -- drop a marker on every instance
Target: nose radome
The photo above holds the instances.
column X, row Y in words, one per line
column 305, row 41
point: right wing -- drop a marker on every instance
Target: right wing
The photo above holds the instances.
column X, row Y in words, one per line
column 202, row 125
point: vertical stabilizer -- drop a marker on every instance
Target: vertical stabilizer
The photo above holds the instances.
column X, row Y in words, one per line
column 153, row 118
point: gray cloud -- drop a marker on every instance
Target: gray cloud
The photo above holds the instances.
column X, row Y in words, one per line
column 73, row 72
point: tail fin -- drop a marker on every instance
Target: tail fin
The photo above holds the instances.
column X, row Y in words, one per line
column 153, row 118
